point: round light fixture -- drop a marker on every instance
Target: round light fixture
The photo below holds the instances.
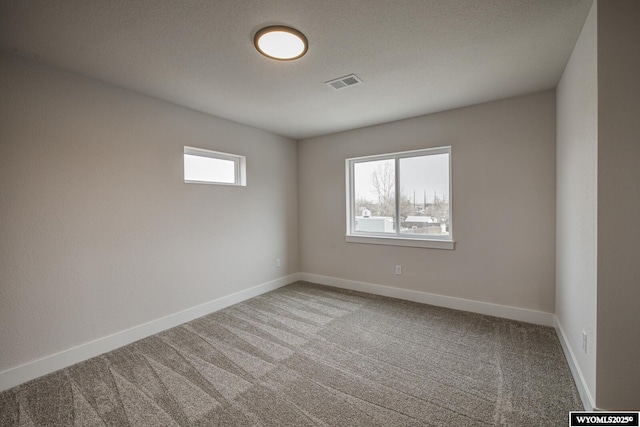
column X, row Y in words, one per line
column 281, row 43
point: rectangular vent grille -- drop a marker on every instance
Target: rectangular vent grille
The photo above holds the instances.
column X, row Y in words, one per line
column 344, row 82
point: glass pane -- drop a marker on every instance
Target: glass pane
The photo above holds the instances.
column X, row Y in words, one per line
column 374, row 196
column 209, row 169
column 424, row 188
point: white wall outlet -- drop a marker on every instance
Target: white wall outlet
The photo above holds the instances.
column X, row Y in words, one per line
column 584, row 342
column 398, row 269
column 278, row 262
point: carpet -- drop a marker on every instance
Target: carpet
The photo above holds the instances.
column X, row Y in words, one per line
column 310, row 355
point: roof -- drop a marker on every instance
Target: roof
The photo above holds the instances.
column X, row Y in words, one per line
column 423, row 219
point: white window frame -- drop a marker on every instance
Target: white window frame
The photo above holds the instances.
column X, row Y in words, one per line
column 240, row 165
column 397, row 239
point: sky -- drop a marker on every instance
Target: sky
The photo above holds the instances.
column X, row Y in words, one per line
column 423, row 174
column 200, row 168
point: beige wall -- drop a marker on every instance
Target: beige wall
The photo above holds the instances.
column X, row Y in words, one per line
column 577, row 201
column 98, row 231
column 618, row 372
column 503, row 156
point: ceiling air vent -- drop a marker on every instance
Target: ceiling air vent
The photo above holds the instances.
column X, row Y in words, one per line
column 344, row 82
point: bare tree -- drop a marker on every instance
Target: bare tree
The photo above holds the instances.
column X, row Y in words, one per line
column 383, row 182
column 439, row 209
column 407, row 207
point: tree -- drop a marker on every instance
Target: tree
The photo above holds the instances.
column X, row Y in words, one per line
column 439, row 209
column 383, row 182
column 406, row 207
column 362, row 203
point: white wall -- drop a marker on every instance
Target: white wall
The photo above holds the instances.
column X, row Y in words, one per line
column 618, row 358
column 503, row 156
column 598, row 105
column 577, row 202
column 98, row 231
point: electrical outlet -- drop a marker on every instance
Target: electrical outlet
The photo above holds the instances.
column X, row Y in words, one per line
column 278, row 262
column 584, row 342
column 398, row 269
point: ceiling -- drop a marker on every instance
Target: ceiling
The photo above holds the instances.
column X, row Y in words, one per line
column 415, row 57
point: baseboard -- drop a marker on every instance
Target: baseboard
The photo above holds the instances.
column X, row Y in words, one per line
column 578, row 378
column 503, row 311
column 23, row 373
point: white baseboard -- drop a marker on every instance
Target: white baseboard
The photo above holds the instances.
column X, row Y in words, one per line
column 578, row 378
column 23, row 373
column 506, row 312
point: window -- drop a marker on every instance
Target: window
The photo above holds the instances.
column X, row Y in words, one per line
column 211, row 167
column 401, row 199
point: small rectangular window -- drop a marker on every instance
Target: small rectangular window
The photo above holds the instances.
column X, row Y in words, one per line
column 401, row 199
column 212, row 167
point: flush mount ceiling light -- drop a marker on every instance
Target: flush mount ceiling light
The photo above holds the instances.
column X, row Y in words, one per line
column 281, row 43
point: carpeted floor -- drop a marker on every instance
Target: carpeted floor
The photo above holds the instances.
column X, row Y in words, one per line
column 309, row 355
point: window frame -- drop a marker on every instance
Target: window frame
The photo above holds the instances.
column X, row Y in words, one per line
column 397, row 238
column 240, row 166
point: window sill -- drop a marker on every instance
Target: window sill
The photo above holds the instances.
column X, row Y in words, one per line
column 228, row 184
column 395, row 241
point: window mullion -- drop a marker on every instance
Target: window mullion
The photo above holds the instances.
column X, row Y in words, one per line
column 352, row 197
column 397, row 189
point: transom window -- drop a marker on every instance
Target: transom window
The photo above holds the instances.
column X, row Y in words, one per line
column 401, row 199
column 212, row 167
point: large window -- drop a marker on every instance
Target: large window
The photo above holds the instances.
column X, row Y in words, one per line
column 401, row 199
column 212, row 167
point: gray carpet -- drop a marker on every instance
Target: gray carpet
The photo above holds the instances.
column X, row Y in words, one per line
column 309, row 355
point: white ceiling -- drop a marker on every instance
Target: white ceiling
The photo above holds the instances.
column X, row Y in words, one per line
column 414, row 56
